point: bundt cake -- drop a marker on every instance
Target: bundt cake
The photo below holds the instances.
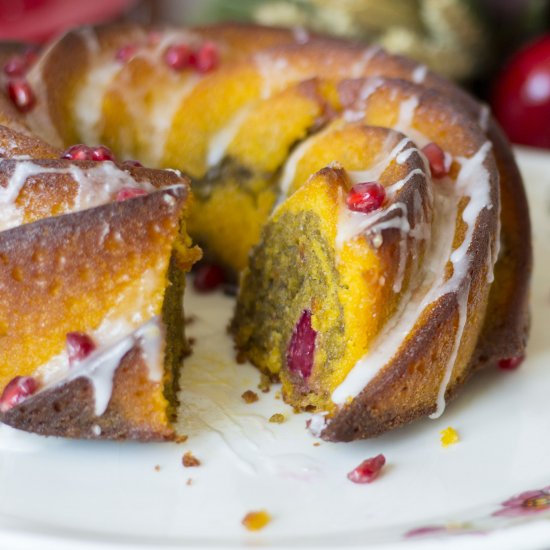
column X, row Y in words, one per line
column 375, row 208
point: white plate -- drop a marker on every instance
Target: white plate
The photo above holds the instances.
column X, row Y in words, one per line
column 62, row 494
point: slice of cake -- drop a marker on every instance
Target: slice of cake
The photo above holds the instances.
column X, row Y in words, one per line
column 93, row 261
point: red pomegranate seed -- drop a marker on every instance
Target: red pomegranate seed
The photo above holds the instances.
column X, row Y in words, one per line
column 78, row 152
column 129, row 193
column 19, row 64
column 510, row 363
column 130, row 163
column 153, row 37
column 125, row 53
column 16, row 66
column 21, row 95
column 366, row 197
column 436, row 158
column 208, row 277
column 177, row 56
column 102, row 153
column 79, row 346
column 301, row 350
column 17, row 391
column 368, row 470
column 206, row 58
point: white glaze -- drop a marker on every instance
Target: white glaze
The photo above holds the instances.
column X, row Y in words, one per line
column 96, row 185
column 223, row 138
column 88, row 101
column 419, row 74
column 472, row 182
column 101, row 365
column 484, row 116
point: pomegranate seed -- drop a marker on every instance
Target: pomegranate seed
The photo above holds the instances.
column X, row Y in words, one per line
column 299, row 357
column 436, row 158
column 125, row 53
column 153, row 38
column 19, row 64
column 130, row 163
column 206, row 58
column 366, row 197
column 78, row 152
column 17, row 391
column 178, row 56
column 129, row 193
column 368, row 470
column 208, row 277
column 102, row 153
column 79, row 346
column 510, row 363
column 16, row 66
column 21, row 95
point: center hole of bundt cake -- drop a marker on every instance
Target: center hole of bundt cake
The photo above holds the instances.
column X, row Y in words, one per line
column 288, row 320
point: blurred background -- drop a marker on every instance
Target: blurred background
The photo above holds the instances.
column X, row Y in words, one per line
column 498, row 49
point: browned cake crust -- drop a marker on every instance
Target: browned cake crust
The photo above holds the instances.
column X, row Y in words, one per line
column 88, row 281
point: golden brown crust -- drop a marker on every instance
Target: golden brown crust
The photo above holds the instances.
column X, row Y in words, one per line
column 68, row 409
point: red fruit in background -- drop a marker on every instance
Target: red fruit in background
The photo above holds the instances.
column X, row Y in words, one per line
column 521, row 96
column 40, row 20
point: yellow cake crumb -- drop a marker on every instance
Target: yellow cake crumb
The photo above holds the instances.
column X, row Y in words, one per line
column 254, row 521
column 277, row 418
column 449, row 436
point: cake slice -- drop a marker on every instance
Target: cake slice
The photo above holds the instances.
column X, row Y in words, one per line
column 93, row 261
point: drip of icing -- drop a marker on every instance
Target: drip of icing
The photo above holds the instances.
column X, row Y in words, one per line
column 101, row 365
column 88, row 101
column 359, row 67
column 161, row 117
column 96, row 185
column 357, row 112
column 472, row 181
column 462, row 298
column 483, row 117
column 291, row 164
column 419, row 74
column 223, row 138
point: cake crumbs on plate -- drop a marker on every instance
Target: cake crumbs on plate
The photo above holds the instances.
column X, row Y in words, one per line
column 277, row 418
column 189, row 460
column 181, row 438
column 189, row 481
column 277, row 394
column 254, row 521
column 157, row 468
column 190, row 319
column 265, row 383
column 449, row 436
column 317, row 444
column 250, row 396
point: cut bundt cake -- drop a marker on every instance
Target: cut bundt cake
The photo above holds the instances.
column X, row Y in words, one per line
column 375, row 208
column 93, row 256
